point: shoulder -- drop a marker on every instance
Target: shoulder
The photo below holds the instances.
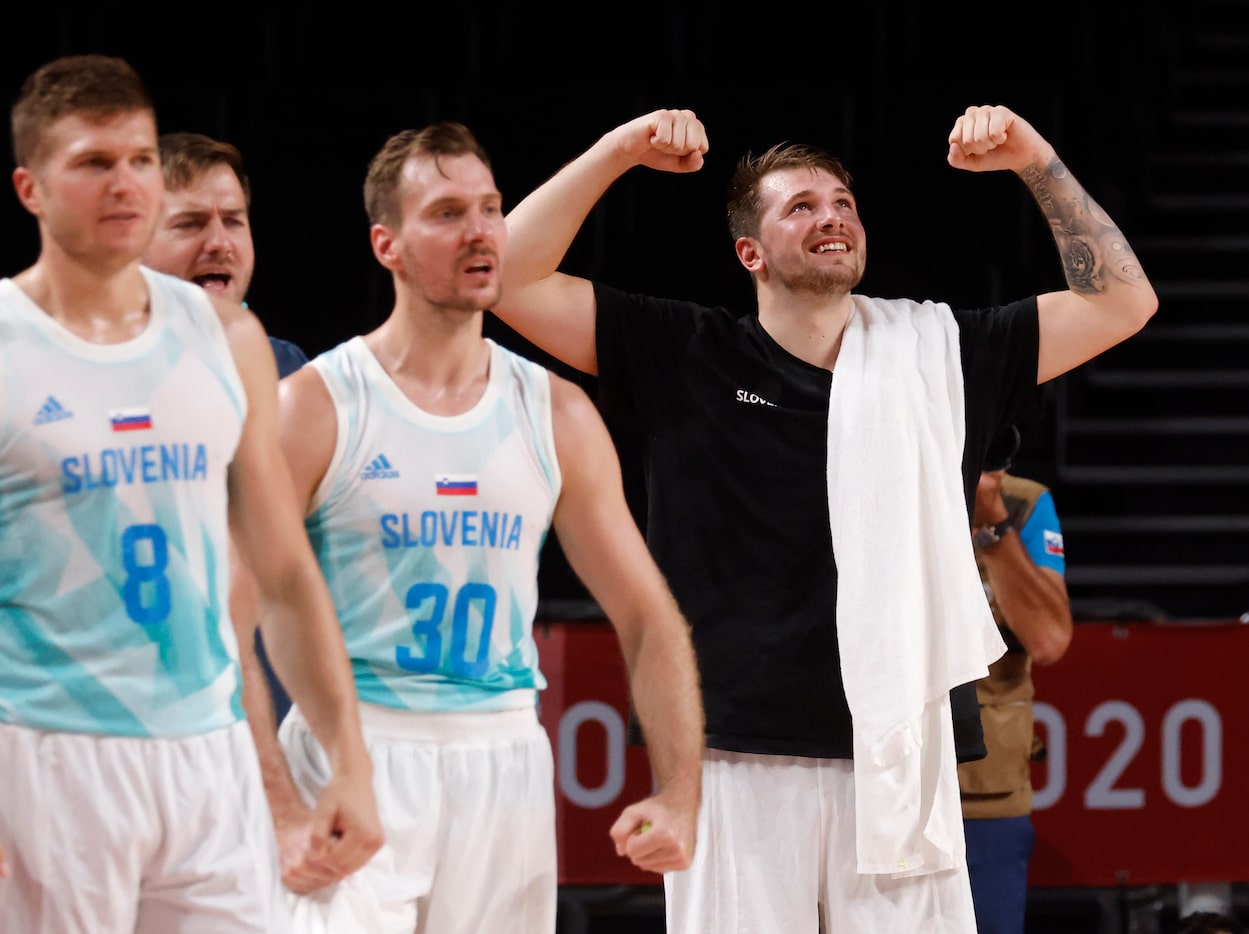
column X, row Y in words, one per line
column 303, row 395
column 572, row 410
column 1012, row 314
column 613, row 300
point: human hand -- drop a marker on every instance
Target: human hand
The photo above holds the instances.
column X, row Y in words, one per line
column 655, row 836
column 991, row 138
column 318, row 848
column 990, row 508
column 302, row 872
column 665, row 140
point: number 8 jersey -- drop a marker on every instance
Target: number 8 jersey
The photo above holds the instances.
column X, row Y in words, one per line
column 113, row 532
column 429, row 531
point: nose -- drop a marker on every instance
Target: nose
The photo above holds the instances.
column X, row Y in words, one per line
column 218, row 239
column 125, row 178
column 831, row 218
column 479, row 227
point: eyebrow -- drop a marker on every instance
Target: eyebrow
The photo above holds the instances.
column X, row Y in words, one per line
column 807, row 193
column 195, row 211
column 152, row 151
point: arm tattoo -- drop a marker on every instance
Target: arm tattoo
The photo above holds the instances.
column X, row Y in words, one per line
column 1093, row 250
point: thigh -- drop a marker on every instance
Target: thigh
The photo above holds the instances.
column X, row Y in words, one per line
column 76, row 864
column 756, row 866
column 998, row 851
column 217, row 869
column 496, row 855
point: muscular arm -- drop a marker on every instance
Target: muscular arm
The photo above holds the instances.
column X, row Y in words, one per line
column 554, row 310
column 294, row 609
column 1033, row 599
column 1108, row 298
column 605, row 548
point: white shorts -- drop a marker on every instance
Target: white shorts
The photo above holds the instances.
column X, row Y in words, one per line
column 776, row 852
column 467, row 803
column 130, row 834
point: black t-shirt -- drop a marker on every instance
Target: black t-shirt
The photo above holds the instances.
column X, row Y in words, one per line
column 732, row 431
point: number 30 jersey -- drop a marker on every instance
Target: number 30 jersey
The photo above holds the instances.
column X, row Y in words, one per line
column 113, row 532
column 429, row 531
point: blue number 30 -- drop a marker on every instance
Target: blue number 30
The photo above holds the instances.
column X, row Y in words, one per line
column 430, row 603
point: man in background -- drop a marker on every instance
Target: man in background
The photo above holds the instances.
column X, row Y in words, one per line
column 205, row 231
column 205, row 236
column 1019, row 551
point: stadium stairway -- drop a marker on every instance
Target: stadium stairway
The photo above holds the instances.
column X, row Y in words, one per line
column 1152, row 438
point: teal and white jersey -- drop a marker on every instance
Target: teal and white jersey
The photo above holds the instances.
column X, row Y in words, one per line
column 429, row 531
column 113, row 536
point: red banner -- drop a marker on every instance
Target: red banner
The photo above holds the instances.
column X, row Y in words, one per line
column 1147, row 777
column 585, row 710
column 1146, row 782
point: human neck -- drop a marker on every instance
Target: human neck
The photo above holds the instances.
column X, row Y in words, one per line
column 439, row 359
column 808, row 326
column 100, row 305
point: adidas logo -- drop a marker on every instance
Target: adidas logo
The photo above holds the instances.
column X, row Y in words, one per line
column 379, row 469
column 52, row 411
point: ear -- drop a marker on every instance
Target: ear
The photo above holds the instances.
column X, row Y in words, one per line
column 748, row 254
column 27, row 188
column 384, row 247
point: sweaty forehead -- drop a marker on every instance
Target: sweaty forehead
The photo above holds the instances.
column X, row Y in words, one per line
column 784, row 184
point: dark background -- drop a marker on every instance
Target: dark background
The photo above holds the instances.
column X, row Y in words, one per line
column 310, row 97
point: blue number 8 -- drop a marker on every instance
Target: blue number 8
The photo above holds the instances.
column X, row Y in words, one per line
column 150, row 572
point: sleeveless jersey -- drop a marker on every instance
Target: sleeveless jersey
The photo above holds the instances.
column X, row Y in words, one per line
column 429, row 532
column 113, row 532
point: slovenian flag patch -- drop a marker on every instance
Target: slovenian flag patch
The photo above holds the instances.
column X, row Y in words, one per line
column 456, row 484
column 1054, row 543
column 130, row 419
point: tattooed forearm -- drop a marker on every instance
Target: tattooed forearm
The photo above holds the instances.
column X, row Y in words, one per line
column 1093, row 249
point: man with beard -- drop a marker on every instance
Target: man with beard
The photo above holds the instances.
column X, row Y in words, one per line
column 205, row 231
column 431, row 464
column 810, row 472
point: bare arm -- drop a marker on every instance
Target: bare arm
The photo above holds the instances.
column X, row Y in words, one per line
column 603, row 545
column 554, row 310
column 302, row 871
column 1109, row 297
column 1033, row 599
column 294, row 609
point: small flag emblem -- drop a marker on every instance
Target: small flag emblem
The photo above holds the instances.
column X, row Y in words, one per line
column 456, row 484
column 1054, row 543
column 130, row 419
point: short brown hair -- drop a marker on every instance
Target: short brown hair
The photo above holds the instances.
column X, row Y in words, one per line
column 744, row 203
column 98, row 85
column 184, row 157
column 381, row 185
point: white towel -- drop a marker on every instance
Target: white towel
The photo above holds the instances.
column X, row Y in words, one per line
column 912, row 618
